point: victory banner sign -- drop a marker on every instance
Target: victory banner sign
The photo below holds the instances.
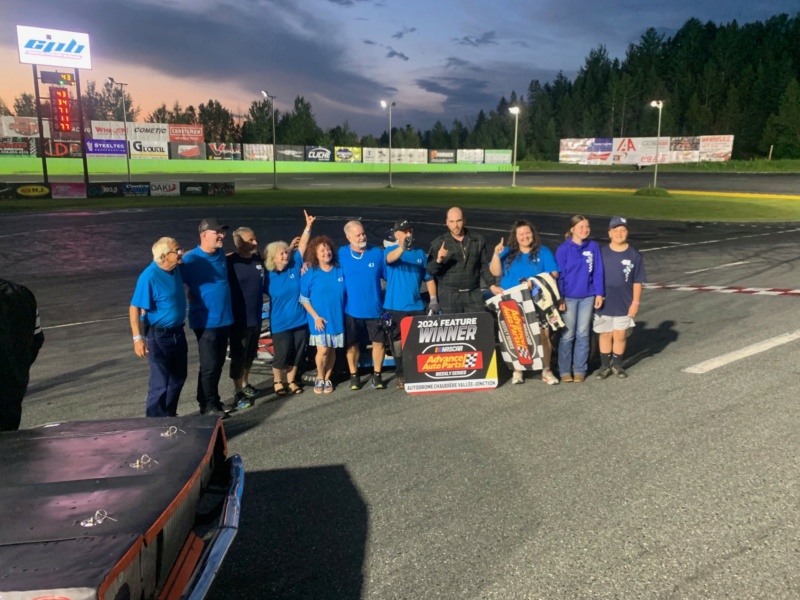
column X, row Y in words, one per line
column 449, row 353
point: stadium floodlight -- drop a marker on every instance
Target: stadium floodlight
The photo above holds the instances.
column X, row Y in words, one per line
column 659, row 104
column 274, row 146
column 121, row 85
column 385, row 105
column 514, row 110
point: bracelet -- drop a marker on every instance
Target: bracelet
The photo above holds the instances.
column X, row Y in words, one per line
column 136, row 338
column 308, row 231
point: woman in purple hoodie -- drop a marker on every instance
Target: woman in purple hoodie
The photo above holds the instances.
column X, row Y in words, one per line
column 581, row 287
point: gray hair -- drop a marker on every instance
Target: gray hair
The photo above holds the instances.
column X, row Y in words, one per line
column 161, row 248
column 350, row 224
column 237, row 235
column 270, row 251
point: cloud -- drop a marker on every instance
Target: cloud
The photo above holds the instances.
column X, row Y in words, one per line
column 485, row 39
column 453, row 62
column 406, row 30
column 395, row 54
column 371, row 43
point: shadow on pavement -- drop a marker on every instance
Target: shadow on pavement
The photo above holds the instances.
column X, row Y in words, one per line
column 302, row 534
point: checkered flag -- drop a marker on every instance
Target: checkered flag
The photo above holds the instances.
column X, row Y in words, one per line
column 518, row 353
column 470, row 360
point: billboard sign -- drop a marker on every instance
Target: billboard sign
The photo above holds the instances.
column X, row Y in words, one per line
column 23, row 148
column 350, row 154
column 165, row 188
column 105, row 190
column 470, row 156
column 187, row 151
column 293, row 153
column 186, row 133
column 108, row 130
column 149, row 149
column 109, row 148
column 194, row 188
column 33, row 190
column 20, row 127
column 376, row 155
column 319, row 154
column 258, row 152
column 53, row 48
column 68, row 190
column 135, row 189
column 439, row 157
column 497, row 157
column 55, row 149
column 147, row 132
column 224, row 151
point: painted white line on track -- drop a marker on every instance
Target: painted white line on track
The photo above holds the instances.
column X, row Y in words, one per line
column 733, row 264
column 721, row 361
column 320, row 185
column 730, row 239
column 86, row 323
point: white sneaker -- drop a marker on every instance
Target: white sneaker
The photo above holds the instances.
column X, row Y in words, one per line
column 549, row 378
column 516, row 378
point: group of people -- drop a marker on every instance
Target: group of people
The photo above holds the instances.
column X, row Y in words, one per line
column 333, row 298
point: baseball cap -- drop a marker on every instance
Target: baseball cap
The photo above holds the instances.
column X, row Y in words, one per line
column 617, row 222
column 211, row 224
column 402, row 225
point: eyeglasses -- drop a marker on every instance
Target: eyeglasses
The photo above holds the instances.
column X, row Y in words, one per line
column 217, row 233
column 178, row 251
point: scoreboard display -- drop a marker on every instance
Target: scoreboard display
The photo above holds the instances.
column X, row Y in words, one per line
column 54, row 78
column 60, row 109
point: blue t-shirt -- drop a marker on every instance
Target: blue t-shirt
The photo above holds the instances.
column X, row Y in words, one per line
column 283, row 288
column 404, row 278
column 326, row 293
column 621, row 270
column 523, row 268
column 362, row 277
column 246, row 278
column 161, row 294
column 206, row 275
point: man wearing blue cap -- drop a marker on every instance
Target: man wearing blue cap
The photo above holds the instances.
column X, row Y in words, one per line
column 624, row 274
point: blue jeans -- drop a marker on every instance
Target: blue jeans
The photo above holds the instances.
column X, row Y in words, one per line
column 167, row 355
column 573, row 348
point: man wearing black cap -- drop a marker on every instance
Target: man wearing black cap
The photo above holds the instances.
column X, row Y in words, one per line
column 405, row 272
column 205, row 273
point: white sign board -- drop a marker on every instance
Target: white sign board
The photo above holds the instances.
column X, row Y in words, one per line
column 53, row 48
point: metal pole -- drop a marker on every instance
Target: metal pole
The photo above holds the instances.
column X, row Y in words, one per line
column 39, row 119
column 514, row 167
column 274, row 148
column 390, row 144
column 658, row 143
column 125, row 124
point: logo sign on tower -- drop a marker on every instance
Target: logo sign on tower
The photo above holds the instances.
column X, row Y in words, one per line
column 53, row 48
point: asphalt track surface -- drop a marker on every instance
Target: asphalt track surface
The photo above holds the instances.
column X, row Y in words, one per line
column 669, row 484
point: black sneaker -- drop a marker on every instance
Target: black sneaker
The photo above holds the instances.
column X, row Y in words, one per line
column 250, row 392
column 619, row 371
column 355, row 382
column 215, row 412
column 603, row 373
column 377, row 382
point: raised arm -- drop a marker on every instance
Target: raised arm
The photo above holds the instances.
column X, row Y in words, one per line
column 306, row 235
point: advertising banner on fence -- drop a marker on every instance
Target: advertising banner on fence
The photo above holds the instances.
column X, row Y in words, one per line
column 106, row 148
column 376, row 155
column 294, row 153
column 108, row 130
column 32, row 190
column 470, row 156
column 12, row 127
column 186, row 133
column 192, row 188
column 258, row 152
column 449, row 353
column 442, row 156
column 18, row 148
column 187, row 151
column 165, row 188
column 497, row 157
column 148, row 132
column 7, row 191
column 68, row 190
column 135, row 189
column 319, row 154
column 221, row 188
column 54, row 149
column 224, row 152
column 350, row 154
column 716, row 148
column 104, row 190
column 140, row 149
column 53, row 48
column 410, row 156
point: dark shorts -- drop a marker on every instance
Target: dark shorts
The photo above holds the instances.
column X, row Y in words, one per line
column 355, row 329
column 244, row 348
column 398, row 316
column 289, row 347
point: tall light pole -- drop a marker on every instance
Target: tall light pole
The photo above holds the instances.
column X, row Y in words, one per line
column 385, row 105
column 274, row 146
column 125, row 122
column 514, row 110
column 659, row 104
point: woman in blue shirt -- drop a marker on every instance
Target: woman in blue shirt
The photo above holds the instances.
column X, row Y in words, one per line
column 525, row 257
column 322, row 293
column 287, row 318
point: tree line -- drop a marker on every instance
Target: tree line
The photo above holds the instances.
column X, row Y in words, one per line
column 712, row 79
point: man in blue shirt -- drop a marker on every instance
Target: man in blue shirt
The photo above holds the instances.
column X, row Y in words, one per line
column 405, row 272
column 246, row 278
column 205, row 273
column 157, row 313
column 363, row 271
